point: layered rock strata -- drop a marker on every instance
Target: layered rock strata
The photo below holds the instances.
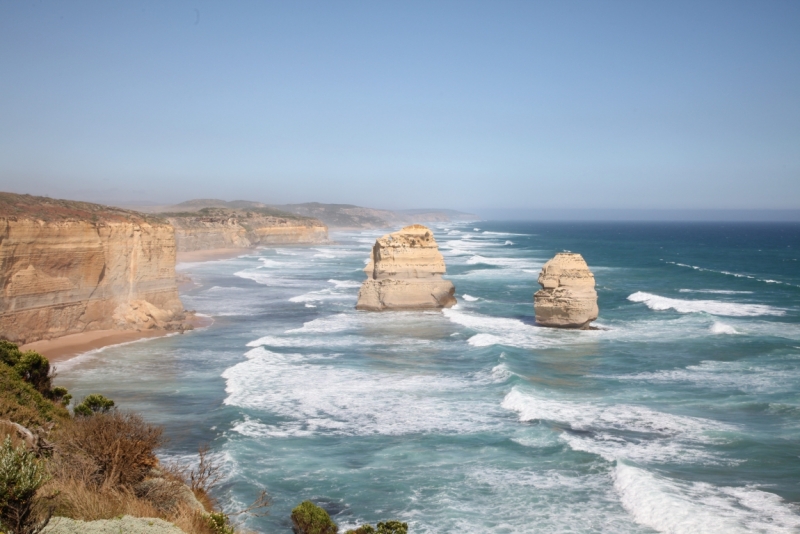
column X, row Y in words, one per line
column 70, row 267
column 216, row 228
column 567, row 298
column 405, row 273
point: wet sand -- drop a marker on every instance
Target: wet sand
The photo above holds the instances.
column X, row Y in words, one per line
column 65, row 347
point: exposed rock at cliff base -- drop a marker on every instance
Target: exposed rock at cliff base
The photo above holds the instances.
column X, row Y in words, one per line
column 405, row 273
column 567, row 298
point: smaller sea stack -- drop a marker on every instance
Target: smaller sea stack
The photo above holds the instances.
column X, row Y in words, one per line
column 405, row 273
column 567, row 298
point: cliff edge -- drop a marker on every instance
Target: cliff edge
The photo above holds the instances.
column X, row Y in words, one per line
column 223, row 228
column 405, row 272
column 68, row 267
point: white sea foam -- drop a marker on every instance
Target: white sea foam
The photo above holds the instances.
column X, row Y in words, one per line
column 681, row 507
column 716, row 291
column 722, row 328
column 350, row 401
column 744, row 375
column 321, row 295
column 519, row 500
column 518, row 263
column 327, row 325
column 284, row 252
column 345, row 284
column 508, row 242
column 728, row 273
column 469, row 298
column 713, row 307
column 668, row 437
column 510, row 332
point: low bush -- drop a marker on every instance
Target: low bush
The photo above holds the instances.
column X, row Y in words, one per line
column 219, row 523
column 387, row 527
column 21, row 476
column 34, row 369
column 308, row 518
column 94, row 403
column 22, row 403
column 109, row 449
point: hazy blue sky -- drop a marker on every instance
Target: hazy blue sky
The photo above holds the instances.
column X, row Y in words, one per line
column 638, row 104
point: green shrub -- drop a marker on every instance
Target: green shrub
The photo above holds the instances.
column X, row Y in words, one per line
column 308, row 518
column 388, row 527
column 59, row 394
column 392, row 527
column 21, row 475
column 94, row 403
column 220, row 523
column 34, row 369
column 9, row 353
column 22, row 403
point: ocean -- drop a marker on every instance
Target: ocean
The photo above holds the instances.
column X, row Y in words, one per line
column 679, row 414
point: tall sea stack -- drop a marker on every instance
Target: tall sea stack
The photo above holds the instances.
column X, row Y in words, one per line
column 567, row 298
column 405, row 273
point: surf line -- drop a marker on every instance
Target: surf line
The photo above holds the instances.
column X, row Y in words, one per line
column 728, row 273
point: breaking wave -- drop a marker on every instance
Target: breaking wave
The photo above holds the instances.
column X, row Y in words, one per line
column 713, row 307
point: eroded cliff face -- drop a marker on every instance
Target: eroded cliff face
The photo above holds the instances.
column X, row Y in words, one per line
column 568, row 298
column 218, row 229
column 68, row 267
column 405, row 272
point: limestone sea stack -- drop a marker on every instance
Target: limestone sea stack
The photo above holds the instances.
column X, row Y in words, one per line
column 405, row 273
column 567, row 298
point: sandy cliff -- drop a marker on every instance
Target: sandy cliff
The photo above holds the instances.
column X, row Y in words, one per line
column 219, row 228
column 567, row 298
column 69, row 267
column 405, row 272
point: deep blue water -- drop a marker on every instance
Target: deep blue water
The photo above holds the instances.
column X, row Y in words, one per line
column 680, row 414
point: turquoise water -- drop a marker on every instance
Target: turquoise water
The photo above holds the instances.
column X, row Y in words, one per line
column 680, row 414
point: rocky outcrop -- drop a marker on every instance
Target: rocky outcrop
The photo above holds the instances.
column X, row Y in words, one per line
column 567, row 298
column 127, row 524
column 405, row 273
column 217, row 228
column 70, row 267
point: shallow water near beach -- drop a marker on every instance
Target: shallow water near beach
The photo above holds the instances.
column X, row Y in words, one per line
column 680, row 414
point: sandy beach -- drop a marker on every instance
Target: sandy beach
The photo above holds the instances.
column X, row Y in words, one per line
column 65, row 347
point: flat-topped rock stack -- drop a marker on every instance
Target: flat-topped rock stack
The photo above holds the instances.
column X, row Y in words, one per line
column 567, row 298
column 405, row 273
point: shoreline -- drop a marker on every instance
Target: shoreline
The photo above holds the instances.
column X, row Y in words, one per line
column 64, row 348
column 195, row 256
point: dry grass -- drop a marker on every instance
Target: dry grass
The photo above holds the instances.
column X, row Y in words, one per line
column 76, row 499
column 111, row 450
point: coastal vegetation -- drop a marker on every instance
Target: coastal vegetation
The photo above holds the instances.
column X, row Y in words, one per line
column 96, row 463
column 308, row 518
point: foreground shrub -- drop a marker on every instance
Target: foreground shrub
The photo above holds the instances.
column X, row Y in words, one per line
column 219, row 523
column 388, row 527
column 21, row 476
column 9, row 353
column 22, row 403
column 308, row 518
column 94, row 403
column 109, row 449
column 34, row 369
